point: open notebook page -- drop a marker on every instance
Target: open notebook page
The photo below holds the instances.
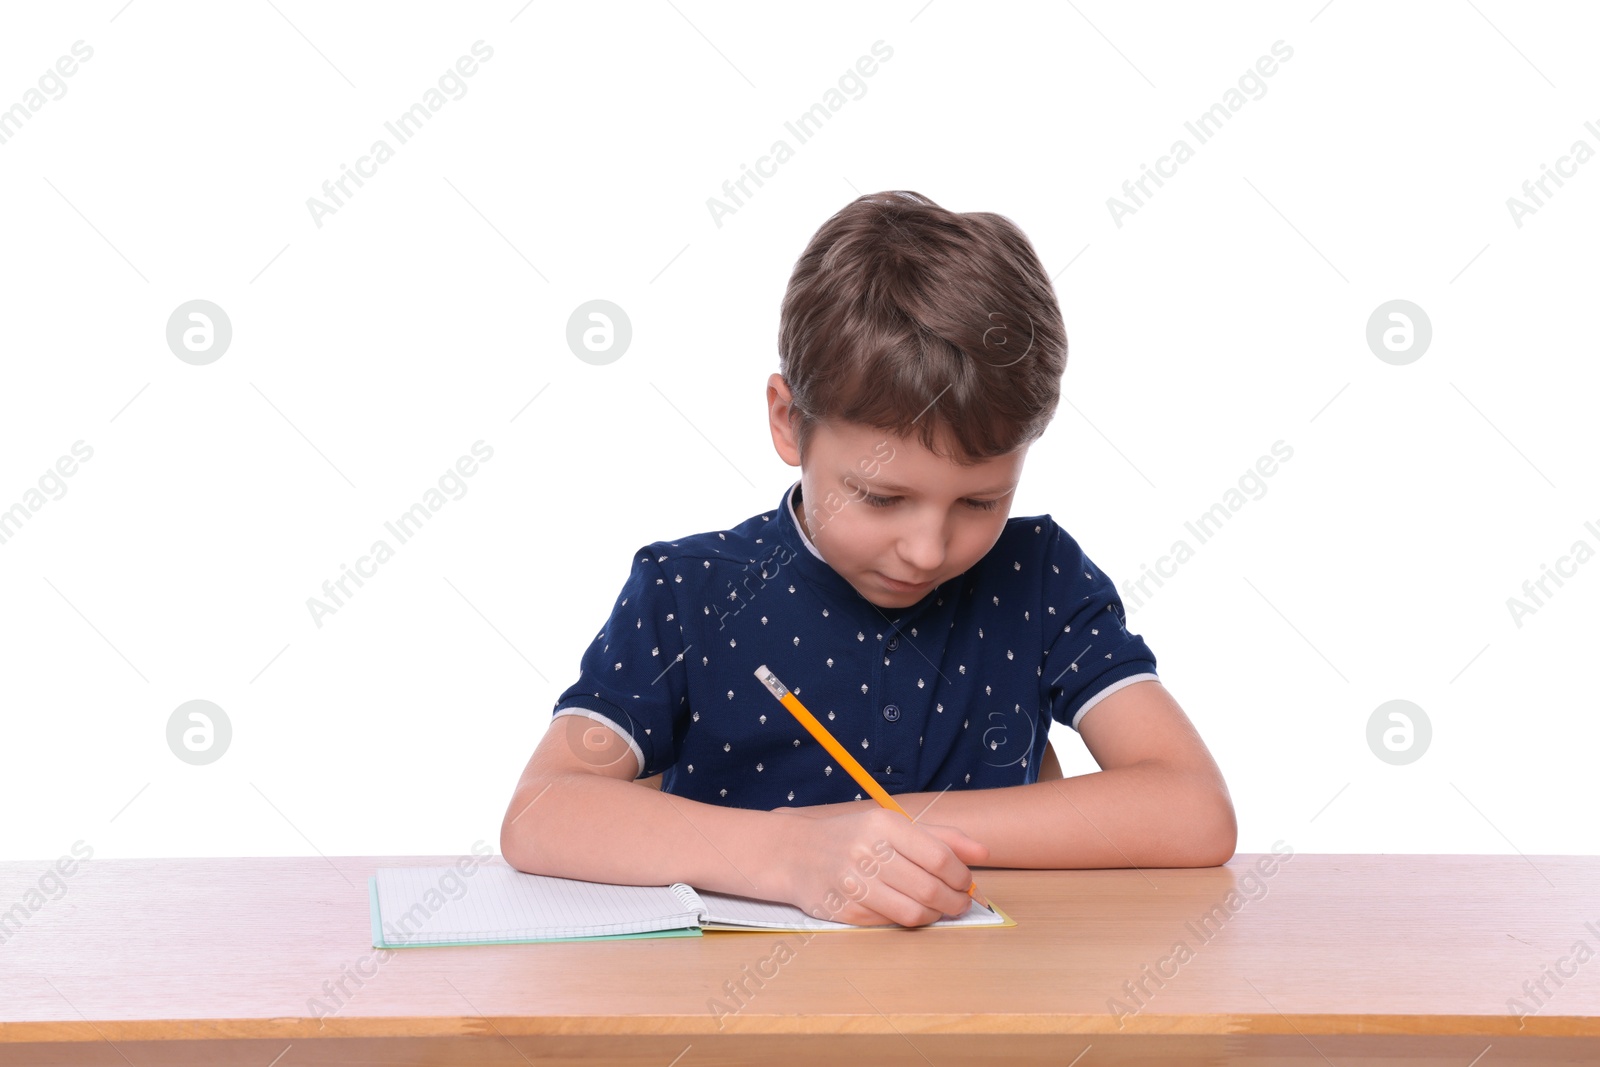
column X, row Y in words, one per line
column 721, row 909
column 504, row 904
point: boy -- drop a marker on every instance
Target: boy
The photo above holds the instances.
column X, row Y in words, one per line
column 935, row 636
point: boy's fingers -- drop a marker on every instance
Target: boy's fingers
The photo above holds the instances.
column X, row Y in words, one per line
column 926, row 885
column 950, row 861
column 968, row 848
column 905, row 906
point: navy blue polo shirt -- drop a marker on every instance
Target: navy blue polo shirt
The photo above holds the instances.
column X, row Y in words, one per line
column 956, row 691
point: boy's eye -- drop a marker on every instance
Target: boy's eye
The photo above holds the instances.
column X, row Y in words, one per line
column 885, row 501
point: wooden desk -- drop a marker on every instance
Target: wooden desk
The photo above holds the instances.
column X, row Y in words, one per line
column 1369, row 959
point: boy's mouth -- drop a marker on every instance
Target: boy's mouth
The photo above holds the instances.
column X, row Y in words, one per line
column 904, row 587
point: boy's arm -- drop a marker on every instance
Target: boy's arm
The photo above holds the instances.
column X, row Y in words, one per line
column 577, row 813
column 1158, row 800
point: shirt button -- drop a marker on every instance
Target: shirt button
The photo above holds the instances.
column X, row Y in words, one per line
column 891, row 712
column 894, row 643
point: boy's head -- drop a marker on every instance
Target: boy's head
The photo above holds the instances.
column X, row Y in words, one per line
column 920, row 354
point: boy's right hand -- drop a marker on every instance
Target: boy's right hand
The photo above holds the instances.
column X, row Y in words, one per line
column 875, row 867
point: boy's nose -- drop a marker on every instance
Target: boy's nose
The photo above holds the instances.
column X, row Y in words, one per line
column 922, row 548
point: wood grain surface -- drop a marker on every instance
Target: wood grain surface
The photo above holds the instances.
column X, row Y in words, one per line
column 1375, row 959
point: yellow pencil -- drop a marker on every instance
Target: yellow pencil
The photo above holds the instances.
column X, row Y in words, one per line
column 838, row 752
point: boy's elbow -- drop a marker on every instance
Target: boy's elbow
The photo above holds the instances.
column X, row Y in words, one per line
column 516, row 832
column 1223, row 838
column 511, row 848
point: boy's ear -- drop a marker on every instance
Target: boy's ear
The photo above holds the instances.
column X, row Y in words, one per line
column 780, row 413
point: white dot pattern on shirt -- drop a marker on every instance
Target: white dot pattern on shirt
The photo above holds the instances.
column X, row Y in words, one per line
column 865, row 687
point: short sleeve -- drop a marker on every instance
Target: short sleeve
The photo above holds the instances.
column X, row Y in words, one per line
column 632, row 675
column 1091, row 654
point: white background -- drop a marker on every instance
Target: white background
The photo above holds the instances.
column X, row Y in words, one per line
column 430, row 312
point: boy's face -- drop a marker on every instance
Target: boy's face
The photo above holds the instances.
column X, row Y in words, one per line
column 893, row 518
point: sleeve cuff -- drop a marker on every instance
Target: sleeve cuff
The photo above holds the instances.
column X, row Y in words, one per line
column 633, row 745
column 1123, row 683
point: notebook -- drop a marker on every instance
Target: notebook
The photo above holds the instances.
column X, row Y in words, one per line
column 499, row 905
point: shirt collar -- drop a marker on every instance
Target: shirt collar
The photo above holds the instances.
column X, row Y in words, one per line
column 790, row 499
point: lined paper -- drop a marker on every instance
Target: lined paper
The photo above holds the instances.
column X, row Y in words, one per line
column 504, row 904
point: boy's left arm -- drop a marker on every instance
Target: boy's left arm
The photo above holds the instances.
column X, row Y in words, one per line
column 1158, row 800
